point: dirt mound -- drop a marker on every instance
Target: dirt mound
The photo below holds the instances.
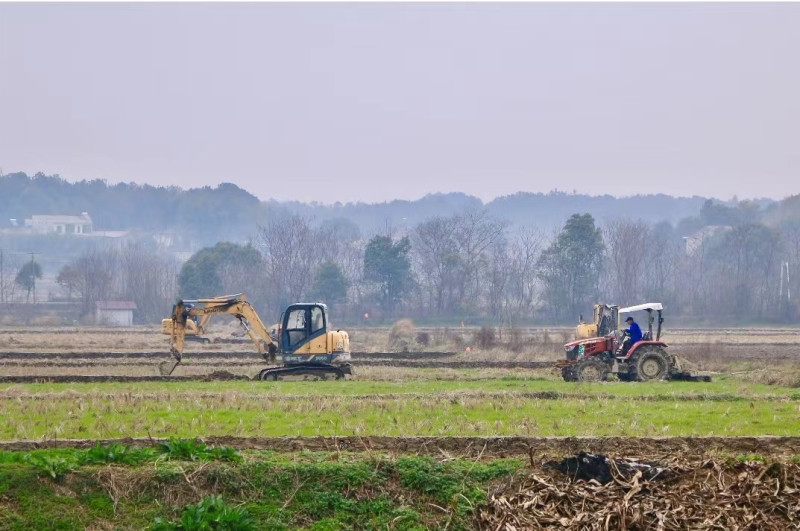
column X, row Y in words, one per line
column 594, row 492
column 224, row 375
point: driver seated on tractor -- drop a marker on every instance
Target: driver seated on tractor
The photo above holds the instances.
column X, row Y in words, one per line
column 634, row 335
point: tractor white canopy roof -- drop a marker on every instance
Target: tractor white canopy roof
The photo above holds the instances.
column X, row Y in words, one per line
column 645, row 306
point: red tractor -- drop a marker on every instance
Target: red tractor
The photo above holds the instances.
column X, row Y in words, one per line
column 602, row 348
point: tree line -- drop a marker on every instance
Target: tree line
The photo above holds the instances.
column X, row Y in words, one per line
column 199, row 217
column 473, row 267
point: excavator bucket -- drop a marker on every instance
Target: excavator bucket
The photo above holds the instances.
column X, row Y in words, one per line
column 166, row 368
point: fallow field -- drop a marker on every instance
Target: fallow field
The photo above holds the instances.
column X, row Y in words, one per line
column 438, row 428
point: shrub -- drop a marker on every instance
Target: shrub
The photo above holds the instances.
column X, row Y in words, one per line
column 424, row 339
column 485, row 337
column 457, row 340
column 515, row 340
column 401, row 336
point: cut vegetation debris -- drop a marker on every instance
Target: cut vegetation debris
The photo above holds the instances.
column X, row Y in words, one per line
column 596, row 493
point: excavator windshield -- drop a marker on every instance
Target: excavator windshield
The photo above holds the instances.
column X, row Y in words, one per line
column 302, row 322
column 296, row 326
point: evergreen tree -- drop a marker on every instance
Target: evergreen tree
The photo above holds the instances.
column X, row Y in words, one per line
column 570, row 268
column 330, row 285
column 26, row 278
column 387, row 264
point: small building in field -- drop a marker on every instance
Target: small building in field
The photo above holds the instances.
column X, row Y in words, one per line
column 114, row 313
column 60, row 224
column 695, row 242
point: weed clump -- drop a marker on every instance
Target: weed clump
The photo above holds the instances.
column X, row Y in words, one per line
column 195, row 450
column 116, row 453
column 211, row 513
column 49, row 465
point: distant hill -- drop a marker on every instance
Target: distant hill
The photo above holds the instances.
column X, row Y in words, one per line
column 554, row 208
column 522, row 209
column 229, row 212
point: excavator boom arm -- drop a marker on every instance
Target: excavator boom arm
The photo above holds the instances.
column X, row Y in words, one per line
column 236, row 305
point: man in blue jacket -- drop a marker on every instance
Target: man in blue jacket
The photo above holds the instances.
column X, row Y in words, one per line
column 634, row 335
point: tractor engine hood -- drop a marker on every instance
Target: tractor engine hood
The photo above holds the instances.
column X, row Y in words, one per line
column 572, row 344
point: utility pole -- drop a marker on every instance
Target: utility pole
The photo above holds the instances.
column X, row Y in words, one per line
column 2, row 280
column 33, row 277
column 788, row 286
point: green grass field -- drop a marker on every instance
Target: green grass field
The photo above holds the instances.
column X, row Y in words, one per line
column 422, row 407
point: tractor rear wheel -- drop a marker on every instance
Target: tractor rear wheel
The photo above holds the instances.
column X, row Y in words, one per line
column 590, row 369
column 650, row 363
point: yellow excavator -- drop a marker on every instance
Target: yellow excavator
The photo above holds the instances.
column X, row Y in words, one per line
column 605, row 321
column 303, row 340
column 195, row 329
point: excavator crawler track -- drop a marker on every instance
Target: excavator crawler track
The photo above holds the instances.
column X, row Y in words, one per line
column 321, row 371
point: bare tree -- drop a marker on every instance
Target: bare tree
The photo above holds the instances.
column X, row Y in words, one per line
column 522, row 289
column 70, row 280
column 664, row 256
column 626, row 247
column 12, row 262
column 98, row 269
column 476, row 233
column 457, row 259
column 437, row 261
column 742, row 272
column 288, row 247
column 147, row 277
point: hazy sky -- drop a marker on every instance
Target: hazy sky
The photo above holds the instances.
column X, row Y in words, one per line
column 373, row 102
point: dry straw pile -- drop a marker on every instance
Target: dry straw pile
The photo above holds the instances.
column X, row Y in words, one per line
column 596, row 493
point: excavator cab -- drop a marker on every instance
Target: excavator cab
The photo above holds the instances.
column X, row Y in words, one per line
column 303, row 322
column 306, row 338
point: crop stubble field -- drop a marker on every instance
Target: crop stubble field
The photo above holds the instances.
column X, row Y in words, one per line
column 435, row 415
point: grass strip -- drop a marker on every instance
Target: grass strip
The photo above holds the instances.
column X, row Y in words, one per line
column 264, row 491
column 186, row 415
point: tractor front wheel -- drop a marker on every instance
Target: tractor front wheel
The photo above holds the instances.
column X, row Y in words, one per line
column 650, row 363
column 590, row 369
